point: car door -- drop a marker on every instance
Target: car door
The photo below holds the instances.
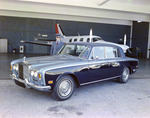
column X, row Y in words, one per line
column 98, row 65
column 115, row 64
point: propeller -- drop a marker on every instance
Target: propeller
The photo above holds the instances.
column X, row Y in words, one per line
column 125, row 39
column 90, row 35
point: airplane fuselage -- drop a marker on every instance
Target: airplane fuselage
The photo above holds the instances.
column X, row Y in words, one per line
column 95, row 39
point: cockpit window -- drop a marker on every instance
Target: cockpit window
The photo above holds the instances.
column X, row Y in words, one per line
column 96, row 39
column 75, row 50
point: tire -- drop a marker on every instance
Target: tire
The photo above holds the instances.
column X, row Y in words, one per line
column 63, row 88
column 125, row 75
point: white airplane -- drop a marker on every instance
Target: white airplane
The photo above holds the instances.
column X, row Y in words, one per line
column 83, row 38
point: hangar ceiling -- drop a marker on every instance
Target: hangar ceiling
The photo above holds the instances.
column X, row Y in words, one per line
column 141, row 6
column 107, row 11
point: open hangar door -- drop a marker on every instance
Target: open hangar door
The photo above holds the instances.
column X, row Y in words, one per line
column 140, row 37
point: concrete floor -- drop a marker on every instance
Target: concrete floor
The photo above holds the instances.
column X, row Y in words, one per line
column 108, row 99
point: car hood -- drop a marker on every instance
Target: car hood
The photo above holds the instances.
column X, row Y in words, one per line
column 52, row 61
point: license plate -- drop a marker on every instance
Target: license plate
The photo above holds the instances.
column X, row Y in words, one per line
column 20, row 84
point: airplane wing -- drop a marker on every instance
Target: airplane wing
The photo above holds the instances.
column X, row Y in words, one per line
column 47, row 43
column 42, row 39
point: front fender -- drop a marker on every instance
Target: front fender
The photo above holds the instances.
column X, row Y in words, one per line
column 66, row 73
column 72, row 75
column 55, row 75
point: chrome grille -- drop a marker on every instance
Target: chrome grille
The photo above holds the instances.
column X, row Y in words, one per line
column 23, row 71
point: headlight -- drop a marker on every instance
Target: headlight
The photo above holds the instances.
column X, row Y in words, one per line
column 34, row 73
column 15, row 67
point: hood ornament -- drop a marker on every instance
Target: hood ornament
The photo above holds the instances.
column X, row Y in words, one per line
column 24, row 59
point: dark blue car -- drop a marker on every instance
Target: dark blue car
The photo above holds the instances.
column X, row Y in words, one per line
column 76, row 64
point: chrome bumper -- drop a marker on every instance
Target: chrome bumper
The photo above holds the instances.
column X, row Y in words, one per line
column 30, row 85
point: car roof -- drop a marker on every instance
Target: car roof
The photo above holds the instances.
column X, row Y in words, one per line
column 94, row 44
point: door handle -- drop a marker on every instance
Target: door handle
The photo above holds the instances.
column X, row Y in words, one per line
column 115, row 64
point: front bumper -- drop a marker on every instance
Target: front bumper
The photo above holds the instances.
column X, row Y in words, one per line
column 26, row 83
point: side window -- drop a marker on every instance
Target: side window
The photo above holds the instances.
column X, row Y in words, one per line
column 88, row 40
column 70, row 40
column 81, row 39
column 112, row 52
column 97, row 52
column 75, row 40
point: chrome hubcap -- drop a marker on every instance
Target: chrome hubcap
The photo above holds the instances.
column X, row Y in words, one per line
column 126, row 74
column 65, row 88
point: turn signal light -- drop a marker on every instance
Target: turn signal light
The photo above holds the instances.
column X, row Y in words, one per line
column 39, row 76
column 11, row 67
column 50, row 82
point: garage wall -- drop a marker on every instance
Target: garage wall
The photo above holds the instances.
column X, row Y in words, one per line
column 140, row 36
column 16, row 29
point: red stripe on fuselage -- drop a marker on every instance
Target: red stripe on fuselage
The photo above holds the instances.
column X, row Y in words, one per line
column 56, row 29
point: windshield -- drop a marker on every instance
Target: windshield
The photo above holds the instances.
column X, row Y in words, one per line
column 75, row 50
column 96, row 39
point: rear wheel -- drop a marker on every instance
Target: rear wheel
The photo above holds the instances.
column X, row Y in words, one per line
column 125, row 75
column 64, row 88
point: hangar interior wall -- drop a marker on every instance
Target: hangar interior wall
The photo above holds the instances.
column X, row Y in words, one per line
column 16, row 29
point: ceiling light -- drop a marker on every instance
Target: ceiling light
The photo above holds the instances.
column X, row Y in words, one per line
column 139, row 21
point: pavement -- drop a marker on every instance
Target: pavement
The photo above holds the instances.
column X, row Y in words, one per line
column 107, row 99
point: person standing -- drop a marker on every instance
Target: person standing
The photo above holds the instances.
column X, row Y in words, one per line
column 56, row 46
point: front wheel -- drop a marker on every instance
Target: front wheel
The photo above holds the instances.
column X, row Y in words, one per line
column 125, row 75
column 64, row 88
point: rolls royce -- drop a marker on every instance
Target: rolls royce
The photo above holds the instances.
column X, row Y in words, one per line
column 76, row 64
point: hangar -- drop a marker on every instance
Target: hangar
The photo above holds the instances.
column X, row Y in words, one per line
column 109, row 19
